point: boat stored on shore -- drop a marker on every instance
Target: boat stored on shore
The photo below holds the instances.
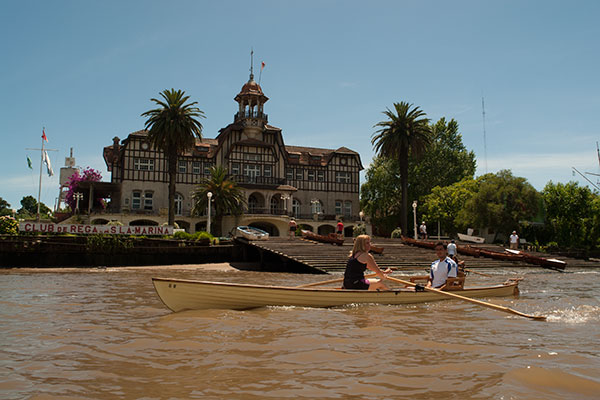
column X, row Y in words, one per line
column 183, row 294
column 251, row 233
column 331, row 238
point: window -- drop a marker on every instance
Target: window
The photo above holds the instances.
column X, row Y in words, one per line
column 342, row 177
column 296, row 208
column 143, row 164
column 268, row 171
column 252, row 204
column 294, row 156
column 275, row 205
column 252, row 157
column 321, row 176
column 196, row 167
column 338, row 207
column 348, row 208
column 182, row 167
column 252, row 171
column 311, row 175
column 315, row 158
column 148, row 200
column 289, row 173
column 299, row 174
column 178, row 204
column 316, row 207
column 235, row 168
column 136, row 201
column 207, row 167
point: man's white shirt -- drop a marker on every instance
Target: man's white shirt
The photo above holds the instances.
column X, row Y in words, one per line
column 451, row 249
column 442, row 270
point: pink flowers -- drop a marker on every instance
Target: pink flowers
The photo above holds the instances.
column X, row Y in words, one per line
column 88, row 175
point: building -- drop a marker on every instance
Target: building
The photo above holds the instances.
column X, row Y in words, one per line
column 316, row 186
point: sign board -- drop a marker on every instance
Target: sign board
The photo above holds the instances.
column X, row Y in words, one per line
column 43, row 227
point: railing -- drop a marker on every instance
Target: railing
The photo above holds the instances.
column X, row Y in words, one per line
column 270, row 211
column 251, row 114
column 258, row 180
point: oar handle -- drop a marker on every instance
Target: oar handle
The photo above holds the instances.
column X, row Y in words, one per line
column 470, row 300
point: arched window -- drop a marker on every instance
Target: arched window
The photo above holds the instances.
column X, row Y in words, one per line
column 296, row 208
column 316, row 206
column 275, row 205
column 348, row 208
column 252, row 203
column 178, row 204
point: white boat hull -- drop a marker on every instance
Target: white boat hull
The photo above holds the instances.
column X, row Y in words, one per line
column 469, row 238
column 181, row 294
column 250, row 233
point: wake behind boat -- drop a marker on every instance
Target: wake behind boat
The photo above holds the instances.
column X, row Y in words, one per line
column 183, row 294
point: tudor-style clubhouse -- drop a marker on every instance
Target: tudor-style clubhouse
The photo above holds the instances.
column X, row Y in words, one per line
column 316, row 186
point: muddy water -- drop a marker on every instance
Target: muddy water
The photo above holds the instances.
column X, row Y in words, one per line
column 103, row 334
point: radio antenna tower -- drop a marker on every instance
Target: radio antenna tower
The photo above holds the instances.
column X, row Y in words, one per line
column 484, row 137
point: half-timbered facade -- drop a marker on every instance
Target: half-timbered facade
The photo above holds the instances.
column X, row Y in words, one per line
column 316, row 186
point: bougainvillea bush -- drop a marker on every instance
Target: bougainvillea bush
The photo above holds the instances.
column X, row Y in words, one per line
column 88, row 175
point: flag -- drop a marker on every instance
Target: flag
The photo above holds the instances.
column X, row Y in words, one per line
column 262, row 65
column 29, row 163
column 48, row 165
column 44, row 134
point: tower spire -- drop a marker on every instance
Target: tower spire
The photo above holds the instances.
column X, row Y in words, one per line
column 251, row 64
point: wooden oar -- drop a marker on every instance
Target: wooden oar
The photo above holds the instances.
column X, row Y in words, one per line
column 479, row 302
column 478, row 273
column 330, row 281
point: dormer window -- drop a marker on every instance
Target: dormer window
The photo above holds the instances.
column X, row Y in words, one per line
column 294, row 156
column 315, row 158
column 203, row 149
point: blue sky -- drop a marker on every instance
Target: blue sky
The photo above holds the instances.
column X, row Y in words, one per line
column 86, row 70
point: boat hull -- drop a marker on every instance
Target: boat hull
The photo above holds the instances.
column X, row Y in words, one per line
column 250, row 233
column 469, row 238
column 181, row 294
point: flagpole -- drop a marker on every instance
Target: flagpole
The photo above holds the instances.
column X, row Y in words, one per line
column 40, row 187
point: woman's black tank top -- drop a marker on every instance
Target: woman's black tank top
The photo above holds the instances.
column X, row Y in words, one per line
column 355, row 271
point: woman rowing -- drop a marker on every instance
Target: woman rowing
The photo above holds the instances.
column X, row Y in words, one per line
column 360, row 259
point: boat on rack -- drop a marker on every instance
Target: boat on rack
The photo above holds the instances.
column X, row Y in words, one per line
column 552, row 263
column 251, row 233
column 470, row 238
column 183, row 294
column 331, row 238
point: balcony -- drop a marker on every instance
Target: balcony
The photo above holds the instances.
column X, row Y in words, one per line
column 258, row 180
column 251, row 114
column 267, row 211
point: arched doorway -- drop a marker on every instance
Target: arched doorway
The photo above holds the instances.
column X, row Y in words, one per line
column 200, row 227
column 267, row 227
column 349, row 231
column 256, row 203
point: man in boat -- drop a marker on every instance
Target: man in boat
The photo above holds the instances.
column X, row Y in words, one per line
column 444, row 271
column 292, row 228
column 360, row 259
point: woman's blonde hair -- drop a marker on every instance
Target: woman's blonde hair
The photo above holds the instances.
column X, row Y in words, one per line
column 360, row 244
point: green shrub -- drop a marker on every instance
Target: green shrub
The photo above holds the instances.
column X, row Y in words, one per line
column 107, row 243
column 183, row 236
column 203, row 235
column 396, row 233
column 8, row 225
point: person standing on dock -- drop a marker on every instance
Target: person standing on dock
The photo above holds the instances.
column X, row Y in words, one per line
column 514, row 241
column 292, row 228
column 452, row 249
column 423, row 231
column 360, row 259
column 442, row 269
column 340, row 229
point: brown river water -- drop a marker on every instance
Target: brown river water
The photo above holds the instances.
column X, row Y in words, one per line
column 104, row 334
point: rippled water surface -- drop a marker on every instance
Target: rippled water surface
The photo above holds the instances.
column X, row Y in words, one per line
column 104, row 334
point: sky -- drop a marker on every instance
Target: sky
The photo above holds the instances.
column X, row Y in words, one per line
column 86, row 71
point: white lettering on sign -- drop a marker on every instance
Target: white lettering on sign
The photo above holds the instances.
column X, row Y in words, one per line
column 94, row 229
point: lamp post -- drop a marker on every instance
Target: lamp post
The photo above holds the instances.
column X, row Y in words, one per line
column 361, row 216
column 209, row 195
column 414, row 205
column 78, row 196
column 285, row 198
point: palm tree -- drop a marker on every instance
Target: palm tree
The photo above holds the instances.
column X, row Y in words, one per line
column 406, row 131
column 173, row 128
column 227, row 196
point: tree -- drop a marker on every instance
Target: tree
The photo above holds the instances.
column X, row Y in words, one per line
column 29, row 208
column 500, row 202
column 406, row 131
column 445, row 204
column 227, row 196
column 445, row 161
column 173, row 128
column 5, row 207
column 573, row 214
column 380, row 193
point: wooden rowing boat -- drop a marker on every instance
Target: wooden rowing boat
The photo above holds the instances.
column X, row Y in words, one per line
column 376, row 249
column 252, row 233
column 331, row 238
column 183, row 294
column 470, row 238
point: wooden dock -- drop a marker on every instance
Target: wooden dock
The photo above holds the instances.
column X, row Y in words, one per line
column 321, row 257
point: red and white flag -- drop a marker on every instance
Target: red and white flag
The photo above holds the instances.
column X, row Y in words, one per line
column 262, row 65
column 44, row 135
